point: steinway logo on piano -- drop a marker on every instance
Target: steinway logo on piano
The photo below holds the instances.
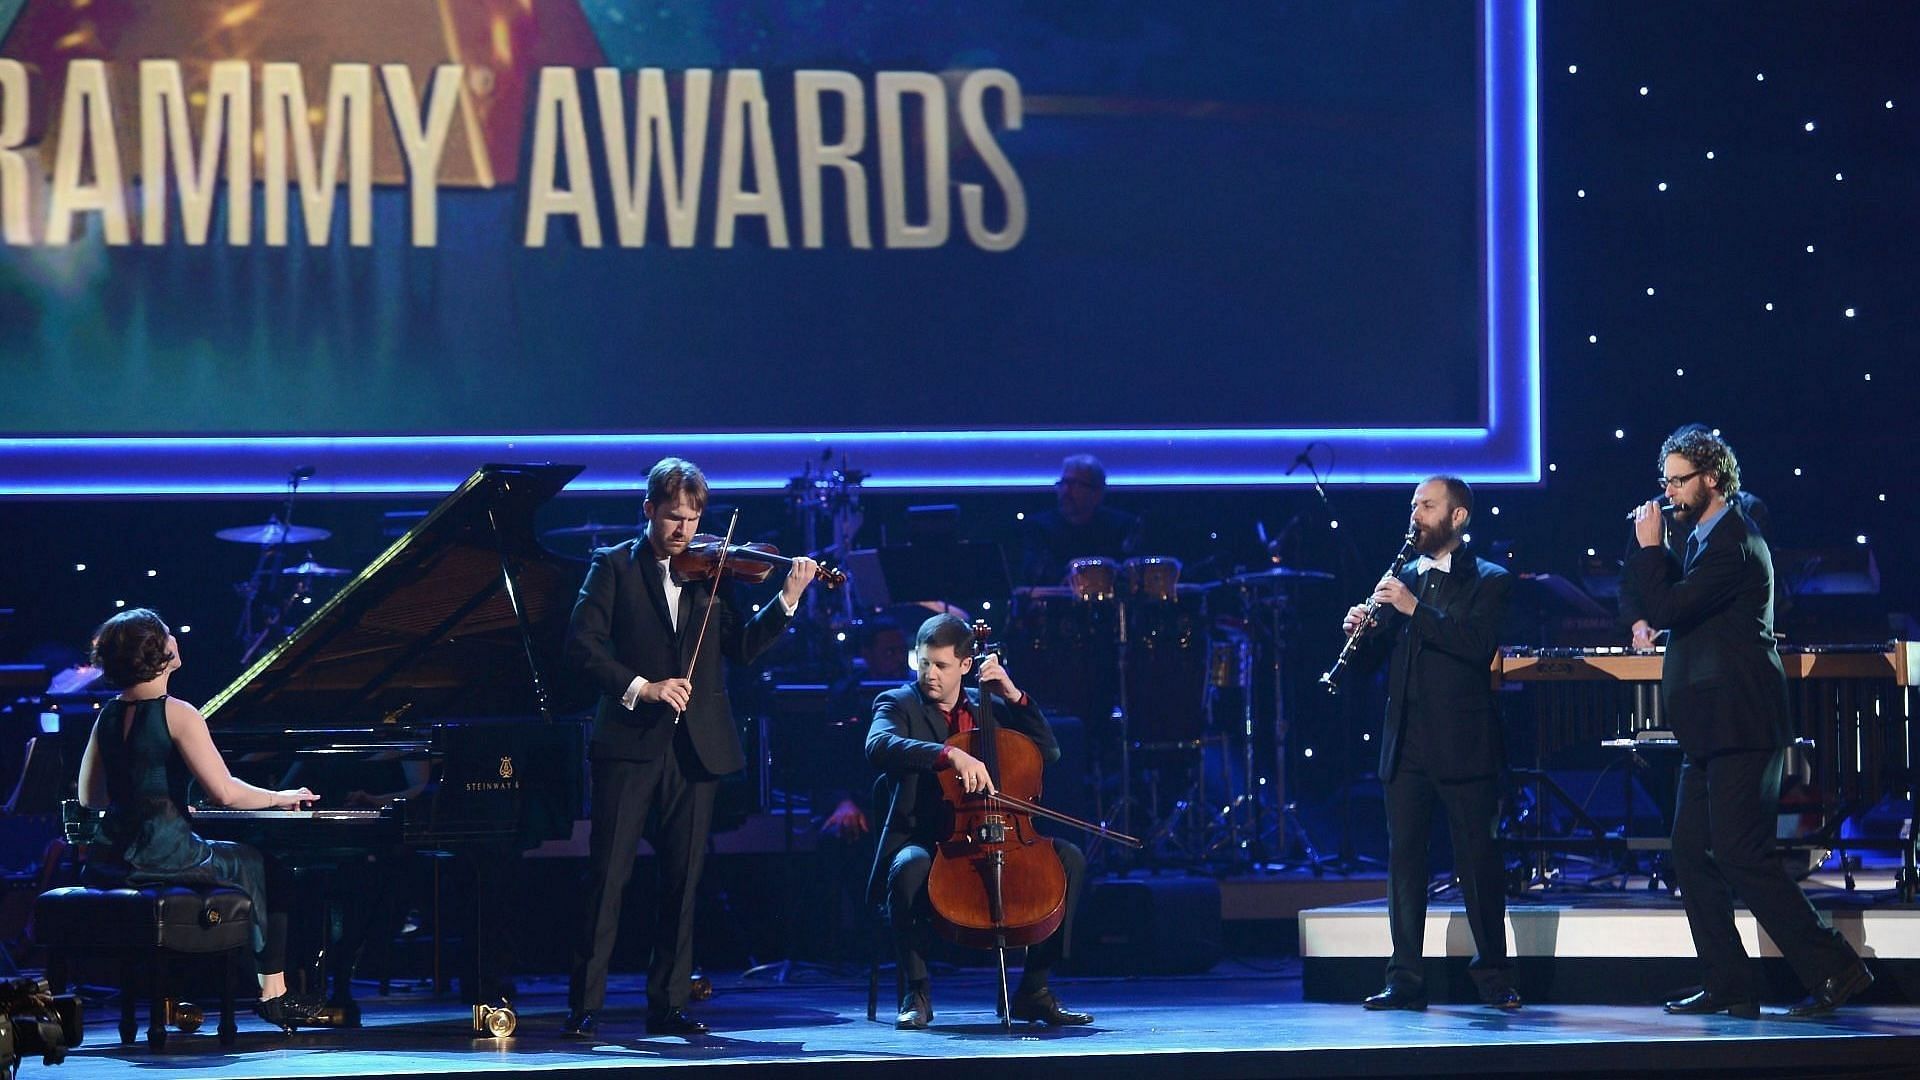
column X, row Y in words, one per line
column 505, row 783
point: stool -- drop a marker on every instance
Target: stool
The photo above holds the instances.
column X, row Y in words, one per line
column 147, row 928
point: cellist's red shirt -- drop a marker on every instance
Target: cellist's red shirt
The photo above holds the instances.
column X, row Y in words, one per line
column 960, row 719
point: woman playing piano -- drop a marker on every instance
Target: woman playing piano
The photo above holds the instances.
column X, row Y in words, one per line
column 144, row 748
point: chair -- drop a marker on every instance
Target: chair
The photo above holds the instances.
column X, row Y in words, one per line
column 877, row 808
column 147, row 930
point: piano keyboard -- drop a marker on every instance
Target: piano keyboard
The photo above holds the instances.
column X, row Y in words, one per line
column 347, row 817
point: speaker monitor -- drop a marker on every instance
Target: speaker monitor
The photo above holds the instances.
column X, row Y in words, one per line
column 1148, row 926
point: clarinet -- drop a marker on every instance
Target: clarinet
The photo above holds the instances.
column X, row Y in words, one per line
column 1331, row 680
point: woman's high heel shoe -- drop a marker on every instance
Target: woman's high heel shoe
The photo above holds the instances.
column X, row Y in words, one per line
column 289, row 1012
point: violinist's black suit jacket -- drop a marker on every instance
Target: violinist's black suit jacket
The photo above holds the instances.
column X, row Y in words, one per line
column 1441, row 670
column 620, row 629
column 904, row 742
column 1721, row 683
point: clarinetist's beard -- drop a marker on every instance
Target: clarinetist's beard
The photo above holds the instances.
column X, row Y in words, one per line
column 1432, row 541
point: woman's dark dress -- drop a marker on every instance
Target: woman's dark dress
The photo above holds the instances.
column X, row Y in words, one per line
column 146, row 821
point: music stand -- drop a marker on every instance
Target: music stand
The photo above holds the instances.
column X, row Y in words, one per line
column 962, row 573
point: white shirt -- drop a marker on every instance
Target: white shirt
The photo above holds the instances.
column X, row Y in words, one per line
column 631, row 698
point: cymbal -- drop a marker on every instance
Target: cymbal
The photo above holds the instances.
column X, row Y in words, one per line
column 591, row 528
column 273, row 533
column 314, row 569
column 1279, row 575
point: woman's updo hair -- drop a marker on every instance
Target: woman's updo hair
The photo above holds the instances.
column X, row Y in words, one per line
column 131, row 647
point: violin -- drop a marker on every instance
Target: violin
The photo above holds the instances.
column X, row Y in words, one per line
column 751, row 563
column 996, row 882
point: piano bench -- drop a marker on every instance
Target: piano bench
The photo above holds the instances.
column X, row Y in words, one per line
column 146, row 929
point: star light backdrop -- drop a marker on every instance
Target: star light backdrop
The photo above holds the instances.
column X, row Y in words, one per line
column 1775, row 128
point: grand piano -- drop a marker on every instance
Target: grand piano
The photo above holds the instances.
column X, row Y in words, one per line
column 443, row 651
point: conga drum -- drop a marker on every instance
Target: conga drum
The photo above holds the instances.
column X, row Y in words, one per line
column 1061, row 649
column 1167, row 670
column 1153, row 578
column 1093, row 580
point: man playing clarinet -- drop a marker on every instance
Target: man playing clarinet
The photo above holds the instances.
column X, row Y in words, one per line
column 1441, row 743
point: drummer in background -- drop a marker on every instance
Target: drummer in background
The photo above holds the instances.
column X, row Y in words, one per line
column 1081, row 526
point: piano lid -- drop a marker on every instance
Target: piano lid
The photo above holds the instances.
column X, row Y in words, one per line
column 427, row 629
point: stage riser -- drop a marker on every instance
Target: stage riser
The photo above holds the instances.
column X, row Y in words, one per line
column 1546, row 980
column 1588, row 954
column 1590, row 931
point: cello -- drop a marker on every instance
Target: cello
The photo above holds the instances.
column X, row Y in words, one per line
column 996, row 882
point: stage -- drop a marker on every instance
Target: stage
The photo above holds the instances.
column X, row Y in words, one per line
column 1586, row 945
column 1234, row 1022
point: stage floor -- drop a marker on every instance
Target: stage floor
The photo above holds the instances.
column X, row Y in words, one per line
column 1236, row 1022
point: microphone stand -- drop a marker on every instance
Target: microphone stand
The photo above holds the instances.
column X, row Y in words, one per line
column 265, row 574
column 1349, row 859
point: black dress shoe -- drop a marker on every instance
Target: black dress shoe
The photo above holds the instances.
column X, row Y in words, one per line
column 580, row 1022
column 1041, row 1007
column 1507, row 1000
column 1834, row 992
column 916, row 1012
column 674, row 1022
column 341, row 1012
column 1708, row 1002
column 1396, row 997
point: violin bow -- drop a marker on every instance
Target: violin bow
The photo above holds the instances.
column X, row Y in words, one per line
column 706, row 618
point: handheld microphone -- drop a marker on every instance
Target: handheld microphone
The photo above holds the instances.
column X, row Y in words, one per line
column 1666, row 507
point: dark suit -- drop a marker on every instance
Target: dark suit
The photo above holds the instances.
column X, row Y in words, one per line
column 1758, row 518
column 905, row 741
column 1441, row 741
column 653, row 777
column 1725, row 693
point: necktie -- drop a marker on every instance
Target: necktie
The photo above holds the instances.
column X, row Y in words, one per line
column 1693, row 552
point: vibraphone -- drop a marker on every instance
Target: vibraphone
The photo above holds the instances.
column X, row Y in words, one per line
column 1857, row 704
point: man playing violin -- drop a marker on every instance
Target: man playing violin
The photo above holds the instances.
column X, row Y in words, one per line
column 907, row 741
column 663, row 735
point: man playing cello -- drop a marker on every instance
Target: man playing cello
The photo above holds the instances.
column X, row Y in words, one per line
column 907, row 741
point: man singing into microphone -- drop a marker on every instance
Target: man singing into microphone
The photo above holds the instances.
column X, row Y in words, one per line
column 1724, row 689
column 1441, row 742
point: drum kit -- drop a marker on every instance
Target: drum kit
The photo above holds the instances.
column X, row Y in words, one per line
column 273, row 593
column 1165, row 673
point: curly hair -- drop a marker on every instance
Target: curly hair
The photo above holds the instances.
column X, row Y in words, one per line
column 1707, row 451
column 131, row 647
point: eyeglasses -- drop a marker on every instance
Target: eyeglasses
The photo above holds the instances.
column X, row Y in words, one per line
column 1675, row 481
